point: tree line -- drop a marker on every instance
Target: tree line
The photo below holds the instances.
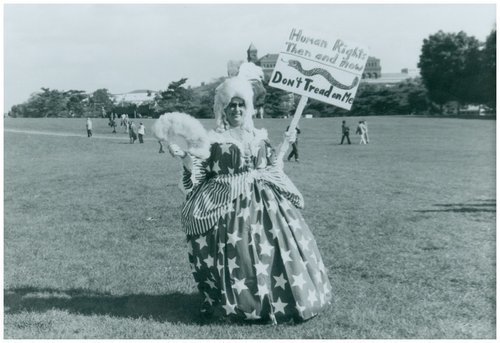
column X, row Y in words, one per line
column 454, row 67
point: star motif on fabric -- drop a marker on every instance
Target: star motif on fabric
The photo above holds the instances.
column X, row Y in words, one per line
column 216, row 167
column 230, row 208
column 280, row 281
column 294, row 224
column 198, row 263
column 275, row 231
column 279, row 306
column 233, row 238
column 272, row 207
column 304, row 243
column 299, row 308
column 210, row 283
column 253, row 315
column 232, row 264
column 229, row 308
column 209, row 261
column 298, row 280
column 258, row 205
column 261, row 268
column 245, row 213
column 230, row 170
column 239, row 285
column 262, row 290
column 221, row 247
column 225, row 148
column 257, row 228
column 208, row 299
column 220, row 267
column 312, row 297
column 266, row 248
column 285, row 256
column 202, row 241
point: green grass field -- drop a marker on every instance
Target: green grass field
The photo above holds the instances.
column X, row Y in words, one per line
column 93, row 246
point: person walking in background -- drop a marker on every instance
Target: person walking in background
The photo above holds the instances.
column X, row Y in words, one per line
column 89, row 127
column 141, row 132
column 132, row 132
column 365, row 124
column 112, row 122
column 345, row 133
column 295, row 141
column 360, row 130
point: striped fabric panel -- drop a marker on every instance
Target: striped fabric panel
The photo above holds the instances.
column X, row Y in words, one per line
column 191, row 178
column 213, row 198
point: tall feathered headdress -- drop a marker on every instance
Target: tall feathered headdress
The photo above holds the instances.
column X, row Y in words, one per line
column 230, row 88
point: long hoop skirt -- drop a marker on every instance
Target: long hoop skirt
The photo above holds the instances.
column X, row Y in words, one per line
column 260, row 261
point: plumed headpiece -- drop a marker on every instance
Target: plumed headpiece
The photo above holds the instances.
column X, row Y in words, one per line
column 230, row 88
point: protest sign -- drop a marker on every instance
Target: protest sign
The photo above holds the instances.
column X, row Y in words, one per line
column 327, row 69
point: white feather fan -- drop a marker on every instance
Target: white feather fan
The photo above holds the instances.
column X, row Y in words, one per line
column 183, row 130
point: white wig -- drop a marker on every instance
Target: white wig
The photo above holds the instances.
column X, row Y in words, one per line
column 230, row 88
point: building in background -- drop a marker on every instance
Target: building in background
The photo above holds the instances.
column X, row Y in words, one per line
column 372, row 73
column 136, row 97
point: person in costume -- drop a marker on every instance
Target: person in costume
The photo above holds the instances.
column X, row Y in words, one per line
column 252, row 254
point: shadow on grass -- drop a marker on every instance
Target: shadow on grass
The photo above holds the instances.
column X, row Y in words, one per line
column 175, row 307
column 488, row 206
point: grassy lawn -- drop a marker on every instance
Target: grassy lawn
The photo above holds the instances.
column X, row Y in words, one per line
column 93, row 246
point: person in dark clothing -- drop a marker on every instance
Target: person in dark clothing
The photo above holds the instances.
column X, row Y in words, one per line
column 295, row 149
column 345, row 133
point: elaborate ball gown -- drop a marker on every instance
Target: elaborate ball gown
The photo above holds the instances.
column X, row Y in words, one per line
column 251, row 252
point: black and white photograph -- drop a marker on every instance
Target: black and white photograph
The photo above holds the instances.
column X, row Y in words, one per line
column 249, row 171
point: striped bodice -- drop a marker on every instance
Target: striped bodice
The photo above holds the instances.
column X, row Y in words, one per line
column 216, row 182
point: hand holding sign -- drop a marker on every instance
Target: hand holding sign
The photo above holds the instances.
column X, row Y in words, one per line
column 325, row 70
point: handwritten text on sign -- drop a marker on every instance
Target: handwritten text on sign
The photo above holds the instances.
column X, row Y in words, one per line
column 325, row 70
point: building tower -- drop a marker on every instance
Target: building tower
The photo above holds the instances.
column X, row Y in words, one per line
column 252, row 54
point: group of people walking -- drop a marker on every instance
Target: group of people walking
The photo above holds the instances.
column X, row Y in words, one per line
column 132, row 129
column 361, row 130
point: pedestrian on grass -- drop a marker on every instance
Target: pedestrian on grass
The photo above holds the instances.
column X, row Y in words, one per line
column 132, row 132
column 294, row 139
column 345, row 133
column 367, row 139
column 360, row 130
column 252, row 254
column 141, row 132
column 112, row 122
column 89, row 127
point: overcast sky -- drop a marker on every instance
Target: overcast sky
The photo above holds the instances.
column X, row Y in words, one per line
column 127, row 47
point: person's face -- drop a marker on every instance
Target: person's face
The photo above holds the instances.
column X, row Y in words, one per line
column 234, row 111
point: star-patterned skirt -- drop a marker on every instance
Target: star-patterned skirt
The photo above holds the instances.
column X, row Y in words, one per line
column 260, row 261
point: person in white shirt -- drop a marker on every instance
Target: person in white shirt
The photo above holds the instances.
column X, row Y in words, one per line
column 141, row 132
column 89, row 127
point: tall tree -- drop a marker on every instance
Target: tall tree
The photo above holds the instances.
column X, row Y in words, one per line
column 448, row 65
column 101, row 101
column 175, row 98
column 488, row 84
